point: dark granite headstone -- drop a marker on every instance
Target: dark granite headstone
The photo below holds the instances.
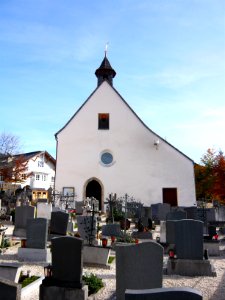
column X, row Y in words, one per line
column 138, row 267
column 111, row 230
column 183, row 293
column 191, row 212
column 176, row 215
column 9, row 290
column 189, row 239
column 170, row 231
column 22, row 213
column 211, row 230
column 37, row 233
column 87, row 227
column 67, row 261
column 59, row 222
column 159, row 211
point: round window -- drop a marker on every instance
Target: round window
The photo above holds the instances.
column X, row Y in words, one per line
column 106, row 158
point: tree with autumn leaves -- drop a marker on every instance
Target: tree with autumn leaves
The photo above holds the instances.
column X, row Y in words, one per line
column 210, row 177
column 12, row 165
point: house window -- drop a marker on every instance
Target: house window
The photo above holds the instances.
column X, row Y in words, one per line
column 40, row 164
column 1, row 178
column 37, row 177
column 53, row 179
column 103, row 121
column 44, row 177
column 24, row 176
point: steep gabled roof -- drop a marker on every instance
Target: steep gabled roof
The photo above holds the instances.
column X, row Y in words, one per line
column 130, row 110
column 30, row 155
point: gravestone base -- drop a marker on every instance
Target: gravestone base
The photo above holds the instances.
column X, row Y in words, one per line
column 212, row 247
column 190, row 267
column 62, row 293
column 96, row 255
column 31, row 254
column 20, row 232
column 10, row 271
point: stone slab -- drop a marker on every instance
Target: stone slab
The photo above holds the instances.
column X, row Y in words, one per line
column 96, row 255
column 9, row 290
column 10, row 271
column 213, row 248
column 31, row 254
column 188, row 267
column 176, row 293
column 62, row 293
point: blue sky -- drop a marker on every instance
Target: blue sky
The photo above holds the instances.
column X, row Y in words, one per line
column 169, row 56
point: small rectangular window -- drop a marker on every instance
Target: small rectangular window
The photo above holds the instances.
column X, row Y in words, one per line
column 37, row 177
column 103, row 121
column 40, row 164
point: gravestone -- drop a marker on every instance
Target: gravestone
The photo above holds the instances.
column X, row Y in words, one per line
column 170, row 231
column 44, row 210
column 191, row 212
column 10, row 271
column 163, row 232
column 159, row 211
column 9, row 290
column 189, row 239
column 37, row 233
column 111, row 230
column 176, row 293
column 176, row 215
column 22, row 214
column 87, row 227
column 36, row 243
column 59, row 222
column 79, row 206
column 146, row 212
column 212, row 231
column 138, row 267
column 67, row 269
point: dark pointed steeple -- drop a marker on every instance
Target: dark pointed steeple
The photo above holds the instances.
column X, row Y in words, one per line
column 105, row 72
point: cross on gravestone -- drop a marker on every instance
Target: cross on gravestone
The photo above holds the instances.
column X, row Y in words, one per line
column 59, row 222
column 138, row 267
column 67, row 269
column 37, row 233
column 87, row 227
column 111, row 201
column 189, row 239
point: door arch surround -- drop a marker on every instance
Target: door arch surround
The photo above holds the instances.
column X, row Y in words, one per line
column 93, row 187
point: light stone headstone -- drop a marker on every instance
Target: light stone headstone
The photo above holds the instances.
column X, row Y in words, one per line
column 44, row 210
column 59, row 222
column 67, row 261
column 163, row 232
column 37, row 233
column 138, row 267
column 189, row 239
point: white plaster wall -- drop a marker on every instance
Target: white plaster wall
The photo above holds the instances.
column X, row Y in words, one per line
column 139, row 169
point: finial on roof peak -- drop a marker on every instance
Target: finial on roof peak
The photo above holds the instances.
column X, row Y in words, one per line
column 106, row 48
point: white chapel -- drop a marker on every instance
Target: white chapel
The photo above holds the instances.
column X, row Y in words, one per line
column 106, row 148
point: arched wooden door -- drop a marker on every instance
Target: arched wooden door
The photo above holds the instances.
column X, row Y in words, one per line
column 94, row 189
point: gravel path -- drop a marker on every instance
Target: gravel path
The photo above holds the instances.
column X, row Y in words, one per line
column 212, row 288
